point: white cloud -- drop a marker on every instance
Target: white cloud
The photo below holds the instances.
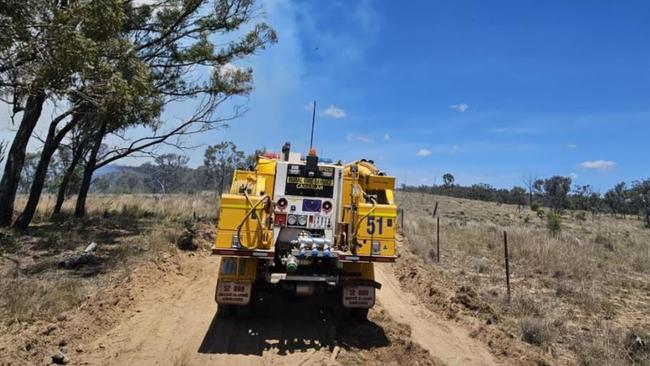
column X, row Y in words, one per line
column 598, row 165
column 386, row 137
column 361, row 138
column 454, row 150
column 462, row 107
column 334, row 112
column 368, row 17
column 423, row 152
column 572, row 146
column 423, row 180
column 573, row 176
column 229, row 72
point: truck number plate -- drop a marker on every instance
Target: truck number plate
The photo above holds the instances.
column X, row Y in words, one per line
column 358, row 296
column 233, row 293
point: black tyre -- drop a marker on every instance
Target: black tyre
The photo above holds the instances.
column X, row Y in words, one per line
column 225, row 311
column 359, row 314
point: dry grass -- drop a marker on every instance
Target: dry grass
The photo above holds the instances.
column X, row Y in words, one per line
column 170, row 207
column 128, row 228
column 568, row 288
column 29, row 299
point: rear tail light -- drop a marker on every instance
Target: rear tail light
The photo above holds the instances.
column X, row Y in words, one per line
column 282, row 203
column 280, row 220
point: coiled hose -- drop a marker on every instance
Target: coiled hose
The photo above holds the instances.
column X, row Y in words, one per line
column 248, row 214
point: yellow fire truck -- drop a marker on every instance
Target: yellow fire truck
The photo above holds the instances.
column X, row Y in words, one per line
column 303, row 226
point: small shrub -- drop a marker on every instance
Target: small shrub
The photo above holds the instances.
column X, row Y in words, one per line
column 637, row 345
column 536, row 331
column 553, row 223
column 581, row 215
column 534, row 206
column 605, row 240
column 526, row 219
column 541, row 214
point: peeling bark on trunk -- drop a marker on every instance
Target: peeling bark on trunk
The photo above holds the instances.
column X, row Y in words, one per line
column 16, row 156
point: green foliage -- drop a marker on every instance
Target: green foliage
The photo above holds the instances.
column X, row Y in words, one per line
column 448, row 179
column 534, row 206
column 553, row 223
column 557, row 188
column 170, row 173
column 220, row 160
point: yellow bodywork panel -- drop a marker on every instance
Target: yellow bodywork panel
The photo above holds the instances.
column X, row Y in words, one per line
column 367, row 270
column 232, row 211
column 237, row 269
column 376, row 229
column 379, row 182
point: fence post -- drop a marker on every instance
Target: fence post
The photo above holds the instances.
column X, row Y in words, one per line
column 401, row 218
column 438, row 238
column 507, row 259
column 435, row 210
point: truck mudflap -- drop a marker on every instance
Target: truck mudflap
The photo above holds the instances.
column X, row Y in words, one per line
column 233, row 293
column 358, row 296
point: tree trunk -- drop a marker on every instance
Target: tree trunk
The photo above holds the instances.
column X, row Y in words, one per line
column 80, row 207
column 63, row 187
column 16, row 156
column 52, row 142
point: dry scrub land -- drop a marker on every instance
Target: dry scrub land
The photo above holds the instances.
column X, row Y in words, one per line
column 141, row 300
column 580, row 297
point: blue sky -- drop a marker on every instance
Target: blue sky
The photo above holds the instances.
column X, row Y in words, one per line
column 486, row 90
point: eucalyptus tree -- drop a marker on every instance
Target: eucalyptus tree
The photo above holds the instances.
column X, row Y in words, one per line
column 111, row 85
column 38, row 57
column 220, row 161
column 180, row 42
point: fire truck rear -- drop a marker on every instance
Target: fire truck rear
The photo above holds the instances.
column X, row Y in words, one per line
column 305, row 227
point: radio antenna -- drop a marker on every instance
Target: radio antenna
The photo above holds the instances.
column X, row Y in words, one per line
column 313, row 122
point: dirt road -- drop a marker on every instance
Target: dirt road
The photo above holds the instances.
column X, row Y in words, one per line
column 175, row 324
column 443, row 339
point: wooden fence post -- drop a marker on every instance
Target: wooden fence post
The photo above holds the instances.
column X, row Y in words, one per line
column 438, row 238
column 435, row 210
column 401, row 218
column 507, row 262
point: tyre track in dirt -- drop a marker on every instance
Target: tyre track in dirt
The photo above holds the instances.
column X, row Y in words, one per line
column 444, row 339
column 175, row 323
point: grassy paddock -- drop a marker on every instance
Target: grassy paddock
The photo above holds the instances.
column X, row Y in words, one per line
column 128, row 228
column 168, row 206
column 570, row 289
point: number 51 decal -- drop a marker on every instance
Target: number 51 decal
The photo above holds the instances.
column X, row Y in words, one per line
column 375, row 223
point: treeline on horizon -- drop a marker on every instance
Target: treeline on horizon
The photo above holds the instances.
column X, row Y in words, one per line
column 169, row 173
column 555, row 192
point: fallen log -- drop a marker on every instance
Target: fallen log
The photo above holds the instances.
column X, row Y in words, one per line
column 87, row 257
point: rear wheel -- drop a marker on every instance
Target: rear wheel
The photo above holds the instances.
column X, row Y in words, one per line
column 359, row 314
column 225, row 310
